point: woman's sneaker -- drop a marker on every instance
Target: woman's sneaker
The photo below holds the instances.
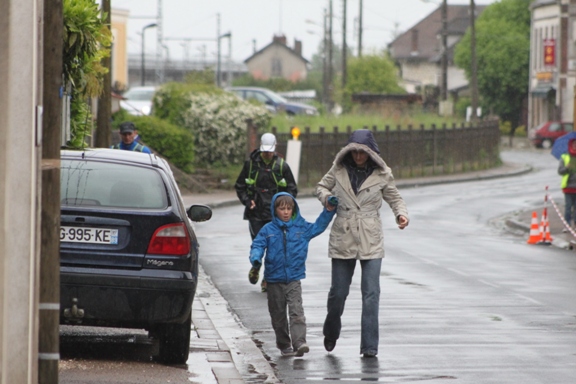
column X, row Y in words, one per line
column 254, row 275
column 287, row 352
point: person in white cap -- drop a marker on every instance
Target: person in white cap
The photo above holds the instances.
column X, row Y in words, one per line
column 264, row 174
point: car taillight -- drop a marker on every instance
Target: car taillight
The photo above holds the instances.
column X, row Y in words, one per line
column 171, row 239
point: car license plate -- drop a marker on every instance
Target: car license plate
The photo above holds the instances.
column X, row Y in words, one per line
column 88, row 235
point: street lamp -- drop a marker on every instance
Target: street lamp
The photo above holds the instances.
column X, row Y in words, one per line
column 143, row 70
column 218, row 76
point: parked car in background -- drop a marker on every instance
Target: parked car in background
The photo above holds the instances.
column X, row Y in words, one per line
column 544, row 135
column 273, row 101
column 128, row 252
column 138, row 100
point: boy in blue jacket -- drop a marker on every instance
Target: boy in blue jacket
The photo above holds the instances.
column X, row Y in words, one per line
column 285, row 241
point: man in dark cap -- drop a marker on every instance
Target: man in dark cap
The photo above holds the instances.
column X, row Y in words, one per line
column 128, row 134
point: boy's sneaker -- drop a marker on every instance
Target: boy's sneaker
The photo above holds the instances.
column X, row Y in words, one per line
column 287, row 352
column 254, row 275
column 302, row 350
column 264, row 286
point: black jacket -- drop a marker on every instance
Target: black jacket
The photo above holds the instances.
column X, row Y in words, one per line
column 268, row 179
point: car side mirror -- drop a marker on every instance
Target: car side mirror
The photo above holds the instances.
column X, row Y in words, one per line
column 199, row 213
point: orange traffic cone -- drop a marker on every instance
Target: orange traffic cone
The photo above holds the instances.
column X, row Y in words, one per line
column 546, row 238
column 535, row 235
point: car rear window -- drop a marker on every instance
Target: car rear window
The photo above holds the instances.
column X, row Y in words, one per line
column 93, row 183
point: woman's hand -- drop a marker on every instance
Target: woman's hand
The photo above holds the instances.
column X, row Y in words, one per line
column 402, row 222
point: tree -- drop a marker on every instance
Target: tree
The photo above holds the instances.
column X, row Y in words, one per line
column 503, row 57
column 373, row 74
column 86, row 42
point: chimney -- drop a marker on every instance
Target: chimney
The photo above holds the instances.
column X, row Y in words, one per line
column 298, row 46
column 414, row 51
column 279, row 39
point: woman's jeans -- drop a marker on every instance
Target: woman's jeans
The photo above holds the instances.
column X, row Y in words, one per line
column 570, row 207
column 342, row 272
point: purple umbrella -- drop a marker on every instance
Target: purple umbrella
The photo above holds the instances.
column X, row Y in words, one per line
column 561, row 144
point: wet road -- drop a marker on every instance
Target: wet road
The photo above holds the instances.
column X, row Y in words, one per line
column 462, row 299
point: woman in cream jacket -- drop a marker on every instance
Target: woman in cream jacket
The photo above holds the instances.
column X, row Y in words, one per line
column 360, row 179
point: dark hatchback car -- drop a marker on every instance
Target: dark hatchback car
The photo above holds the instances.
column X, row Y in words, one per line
column 128, row 252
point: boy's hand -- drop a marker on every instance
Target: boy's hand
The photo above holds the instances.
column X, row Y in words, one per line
column 254, row 275
column 331, row 203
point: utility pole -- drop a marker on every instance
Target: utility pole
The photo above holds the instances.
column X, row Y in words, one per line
column 344, row 48
column 104, row 114
column 330, row 60
column 325, row 61
column 444, row 85
column 49, row 314
column 360, row 28
column 219, row 47
column 473, row 77
column 159, row 44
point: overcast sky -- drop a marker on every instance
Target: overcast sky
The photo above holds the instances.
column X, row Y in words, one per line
column 255, row 22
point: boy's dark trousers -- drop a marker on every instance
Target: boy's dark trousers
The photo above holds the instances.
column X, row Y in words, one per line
column 285, row 301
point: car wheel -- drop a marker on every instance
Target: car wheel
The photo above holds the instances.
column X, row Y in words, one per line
column 174, row 341
column 546, row 144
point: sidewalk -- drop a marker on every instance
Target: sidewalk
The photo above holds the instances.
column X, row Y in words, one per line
column 228, row 345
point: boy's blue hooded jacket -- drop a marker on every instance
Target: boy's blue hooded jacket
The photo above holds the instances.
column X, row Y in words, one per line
column 286, row 244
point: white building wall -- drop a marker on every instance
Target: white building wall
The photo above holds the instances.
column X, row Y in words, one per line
column 422, row 73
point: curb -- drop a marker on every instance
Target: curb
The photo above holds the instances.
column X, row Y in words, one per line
column 231, row 352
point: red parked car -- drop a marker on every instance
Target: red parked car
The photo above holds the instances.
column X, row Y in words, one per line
column 546, row 133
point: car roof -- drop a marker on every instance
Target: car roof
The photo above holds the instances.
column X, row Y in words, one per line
column 251, row 89
column 114, row 155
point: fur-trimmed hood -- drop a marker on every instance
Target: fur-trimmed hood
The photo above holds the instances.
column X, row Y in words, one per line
column 338, row 160
column 361, row 139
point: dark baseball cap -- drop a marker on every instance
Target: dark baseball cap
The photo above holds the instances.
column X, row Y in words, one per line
column 127, row 126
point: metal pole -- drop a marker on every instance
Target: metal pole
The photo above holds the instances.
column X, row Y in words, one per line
column 344, row 51
column 360, row 27
column 218, row 64
column 159, row 43
column 444, row 86
column 473, row 77
column 229, row 82
column 330, row 59
column 325, row 62
column 143, row 59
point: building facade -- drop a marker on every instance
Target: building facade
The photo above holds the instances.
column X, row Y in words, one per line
column 119, row 54
column 418, row 51
column 552, row 61
column 277, row 60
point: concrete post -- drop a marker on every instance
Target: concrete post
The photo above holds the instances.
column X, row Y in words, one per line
column 20, row 135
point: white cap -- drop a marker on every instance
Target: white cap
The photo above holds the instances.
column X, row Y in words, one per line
column 268, row 143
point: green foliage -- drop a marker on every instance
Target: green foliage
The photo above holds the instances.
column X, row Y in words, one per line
column 215, row 118
column 171, row 100
column 284, row 124
column 86, row 42
column 503, row 57
column 374, row 73
column 174, row 143
column 205, row 77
